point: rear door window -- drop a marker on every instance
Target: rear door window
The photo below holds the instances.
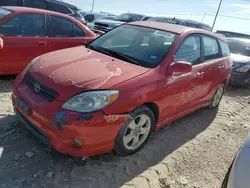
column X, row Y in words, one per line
column 35, row 4
column 24, row 25
column 224, row 49
column 211, row 48
column 190, row 50
column 61, row 27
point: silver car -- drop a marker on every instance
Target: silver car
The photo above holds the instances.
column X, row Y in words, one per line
column 238, row 175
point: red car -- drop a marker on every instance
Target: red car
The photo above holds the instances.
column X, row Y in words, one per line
column 111, row 94
column 28, row 33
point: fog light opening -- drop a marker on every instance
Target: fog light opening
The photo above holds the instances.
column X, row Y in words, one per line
column 78, row 142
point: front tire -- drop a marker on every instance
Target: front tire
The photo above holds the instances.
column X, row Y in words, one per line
column 217, row 97
column 135, row 133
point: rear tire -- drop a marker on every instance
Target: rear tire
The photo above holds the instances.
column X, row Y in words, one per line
column 136, row 131
column 215, row 102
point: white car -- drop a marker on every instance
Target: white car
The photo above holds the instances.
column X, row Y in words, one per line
column 238, row 175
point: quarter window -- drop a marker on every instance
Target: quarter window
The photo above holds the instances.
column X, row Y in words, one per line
column 24, row 25
column 224, row 49
column 211, row 48
column 61, row 27
column 190, row 50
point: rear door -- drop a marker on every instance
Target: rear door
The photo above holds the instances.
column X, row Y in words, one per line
column 24, row 39
column 214, row 64
column 64, row 33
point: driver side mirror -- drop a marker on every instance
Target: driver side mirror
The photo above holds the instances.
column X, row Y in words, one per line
column 1, row 43
column 180, row 67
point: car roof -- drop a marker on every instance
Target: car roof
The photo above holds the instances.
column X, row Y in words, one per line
column 178, row 29
column 33, row 10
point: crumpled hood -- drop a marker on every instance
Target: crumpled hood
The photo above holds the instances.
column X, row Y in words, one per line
column 71, row 71
column 238, row 58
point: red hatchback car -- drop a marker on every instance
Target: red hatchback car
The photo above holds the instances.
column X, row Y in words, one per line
column 28, row 33
column 111, row 94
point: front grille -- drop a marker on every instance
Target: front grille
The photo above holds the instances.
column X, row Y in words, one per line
column 40, row 89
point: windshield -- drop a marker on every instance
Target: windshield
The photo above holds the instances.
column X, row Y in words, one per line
column 239, row 47
column 4, row 12
column 129, row 17
column 137, row 45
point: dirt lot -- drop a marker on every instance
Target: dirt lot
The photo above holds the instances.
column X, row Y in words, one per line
column 192, row 152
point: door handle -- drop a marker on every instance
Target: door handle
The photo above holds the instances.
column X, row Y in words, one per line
column 221, row 66
column 41, row 42
column 199, row 74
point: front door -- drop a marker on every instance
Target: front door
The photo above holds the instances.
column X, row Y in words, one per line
column 65, row 34
column 24, row 39
column 191, row 94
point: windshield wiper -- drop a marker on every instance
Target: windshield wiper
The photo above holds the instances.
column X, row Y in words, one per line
column 113, row 54
column 99, row 50
column 124, row 57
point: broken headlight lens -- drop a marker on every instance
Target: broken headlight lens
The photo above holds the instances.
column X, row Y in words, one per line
column 243, row 69
column 91, row 101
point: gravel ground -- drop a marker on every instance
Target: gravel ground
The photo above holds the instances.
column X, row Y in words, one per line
column 193, row 152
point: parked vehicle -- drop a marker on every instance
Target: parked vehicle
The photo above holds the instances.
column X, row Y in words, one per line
column 239, row 171
column 91, row 16
column 231, row 34
column 240, row 53
column 129, row 82
column 107, row 25
column 92, row 24
column 188, row 23
column 28, row 33
column 53, row 5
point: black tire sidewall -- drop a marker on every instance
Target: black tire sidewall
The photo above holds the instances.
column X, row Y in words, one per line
column 119, row 147
column 211, row 102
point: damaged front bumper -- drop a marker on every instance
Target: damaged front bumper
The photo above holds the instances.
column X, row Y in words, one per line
column 71, row 133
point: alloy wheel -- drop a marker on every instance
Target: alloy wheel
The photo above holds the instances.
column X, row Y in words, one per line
column 137, row 132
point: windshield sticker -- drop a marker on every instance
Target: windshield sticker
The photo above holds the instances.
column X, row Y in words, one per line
column 153, row 57
column 4, row 12
column 165, row 34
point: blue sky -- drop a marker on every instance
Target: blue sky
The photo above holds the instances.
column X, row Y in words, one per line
column 189, row 9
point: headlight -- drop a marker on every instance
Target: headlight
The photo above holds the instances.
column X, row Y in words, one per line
column 28, row 66
column 243, row 69
column 91, row 101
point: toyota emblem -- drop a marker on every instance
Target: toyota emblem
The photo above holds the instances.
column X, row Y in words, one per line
column 37, row 87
